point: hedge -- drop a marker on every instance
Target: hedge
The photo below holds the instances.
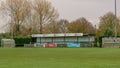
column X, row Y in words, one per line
column 100, row 41
column 22, row 40
column 0, row 42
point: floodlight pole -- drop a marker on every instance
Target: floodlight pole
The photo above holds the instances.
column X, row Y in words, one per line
column 115, row 20
column 11, row 21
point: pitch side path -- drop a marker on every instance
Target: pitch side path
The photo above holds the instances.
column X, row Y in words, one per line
column 59, row 58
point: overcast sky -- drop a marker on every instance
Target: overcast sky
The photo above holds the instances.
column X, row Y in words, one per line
column 90, row 9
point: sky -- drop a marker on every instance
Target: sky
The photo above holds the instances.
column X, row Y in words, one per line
column 71, row 10
column 92, row 10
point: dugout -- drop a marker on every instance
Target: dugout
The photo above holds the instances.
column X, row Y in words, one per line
column 8, row 43
column 110, row 42
column 62, row 40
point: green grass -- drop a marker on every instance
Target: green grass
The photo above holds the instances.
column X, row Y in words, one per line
column 59, row 58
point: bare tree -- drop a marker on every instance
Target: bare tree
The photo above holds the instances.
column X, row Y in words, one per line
column 44, row 12
column 18, row 10
column 59, row 26
column 62, row 25
column 51, row 27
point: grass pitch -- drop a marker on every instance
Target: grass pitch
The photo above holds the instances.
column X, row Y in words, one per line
column 59, row 58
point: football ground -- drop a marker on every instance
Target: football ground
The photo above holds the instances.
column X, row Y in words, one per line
column 59, row 58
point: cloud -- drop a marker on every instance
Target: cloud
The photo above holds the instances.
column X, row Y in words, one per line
column 90, row 9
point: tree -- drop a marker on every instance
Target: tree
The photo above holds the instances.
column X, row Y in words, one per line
column 81, row 25
column 106, row 26
column 52, row 27
column 28, row 16
column 59, row 26
column 62, row 25
column 44, row 12
column 18, row 10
